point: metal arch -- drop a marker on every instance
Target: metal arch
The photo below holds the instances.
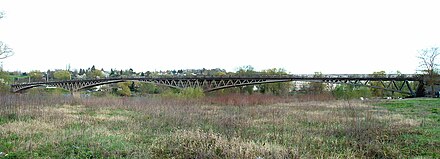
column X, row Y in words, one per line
column 82, row 84
column 22, row 88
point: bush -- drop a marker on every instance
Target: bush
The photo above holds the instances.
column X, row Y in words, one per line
column 47, row 91
column 4, row 88
column 123, row 89
column 4, row 82
column 192, row 93
column 351, row 92
column 186, row 93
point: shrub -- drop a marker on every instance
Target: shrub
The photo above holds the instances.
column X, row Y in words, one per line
column 186, row 93
column 192, row 93
column 350, row 92
column 123, row 89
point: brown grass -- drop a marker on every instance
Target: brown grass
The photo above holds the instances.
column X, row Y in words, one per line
column 200, row 144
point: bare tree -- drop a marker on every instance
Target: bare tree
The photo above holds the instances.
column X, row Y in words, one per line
column 428, row 64
column 5, row 51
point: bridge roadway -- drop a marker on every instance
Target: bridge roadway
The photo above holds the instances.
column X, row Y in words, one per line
column 390, row 82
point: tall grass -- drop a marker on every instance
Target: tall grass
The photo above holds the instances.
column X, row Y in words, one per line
column 231, row 126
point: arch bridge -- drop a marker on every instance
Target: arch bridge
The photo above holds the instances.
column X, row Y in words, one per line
column 390, row 82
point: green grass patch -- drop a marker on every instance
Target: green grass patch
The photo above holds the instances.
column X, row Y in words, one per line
column 424, row 139
column 416, row 108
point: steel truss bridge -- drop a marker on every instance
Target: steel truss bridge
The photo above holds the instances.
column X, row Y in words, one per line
column 390, row 82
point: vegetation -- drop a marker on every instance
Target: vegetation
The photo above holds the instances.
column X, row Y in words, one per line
column 35, row 75
column 187, row 93
column 146, row 88
column 429, row 65
column 378, row 92
column 351, row 92
column 232, row 126
column 48, row 91
column 94, row 73
column 246, row 71
column 4, row 82
column 62, row 75
column 425, row 113
column 192, row 93
column 123, row 89
column 281, row 88
column 5, row 50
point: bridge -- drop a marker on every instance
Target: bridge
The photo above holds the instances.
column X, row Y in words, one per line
column 390, row 82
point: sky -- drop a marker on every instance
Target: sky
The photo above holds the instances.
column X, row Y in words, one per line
column 338, row 36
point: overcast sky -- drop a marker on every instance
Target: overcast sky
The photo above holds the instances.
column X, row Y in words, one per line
column 337, row 36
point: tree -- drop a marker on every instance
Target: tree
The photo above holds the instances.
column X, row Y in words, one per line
column 192, row 93
column 123, row 89
column 317, row 87
column 62, row 75
column 246, row 71
column 279, row 88
column 36, row 75
column 147, row 88
column 81, row 71
column 5, row 50
column 220, row 74
column 428, row 64
column 349, row 92
column 4, row 81
column 95, row 74
column 375, row 91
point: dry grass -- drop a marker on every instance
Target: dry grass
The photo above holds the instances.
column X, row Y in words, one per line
column 200, row 144
column 213, row 127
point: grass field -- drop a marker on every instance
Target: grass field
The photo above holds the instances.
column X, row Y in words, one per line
column 217, row 127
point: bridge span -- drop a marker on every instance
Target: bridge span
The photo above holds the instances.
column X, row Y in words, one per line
column 390, row 82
